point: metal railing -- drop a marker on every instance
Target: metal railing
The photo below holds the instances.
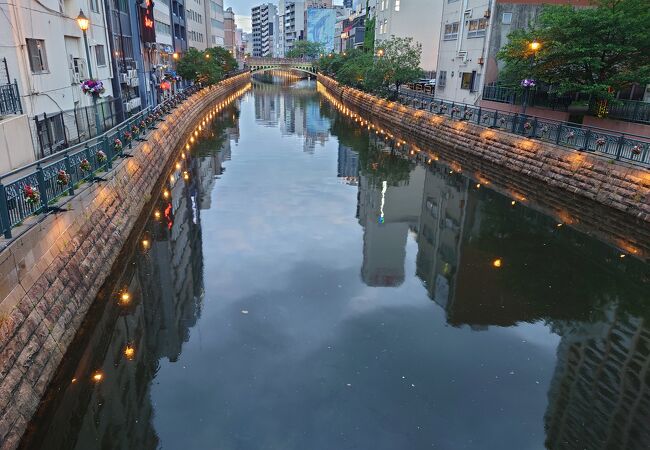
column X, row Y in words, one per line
column 628, row 110
column 32, row 189
column 619, row 146
column 54, row 132
column 10, row 99
column 514, row 96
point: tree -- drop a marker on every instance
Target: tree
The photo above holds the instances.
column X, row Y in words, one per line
column 595, row 51
column 206, row 67
column 398, row 62
column 306, row 49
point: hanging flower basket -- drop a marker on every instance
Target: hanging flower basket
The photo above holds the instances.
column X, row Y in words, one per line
column 117, row 145
column 502, row 121
column 62, row 178
column 485, row 118
column 527, row 126
column 570, row 135
column 545, row 129
column 468, row 114
column 92, row 87
column 32, row 197
column 135, row 129
column 455, row 110
column 600, row 142
column 85, row 166
column 636, row 150
column 143, row 126
column 101, row 157
column 528, row 83
column 443, row 108
column 127, row 137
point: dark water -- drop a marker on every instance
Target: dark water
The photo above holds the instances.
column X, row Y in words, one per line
column 304, row 288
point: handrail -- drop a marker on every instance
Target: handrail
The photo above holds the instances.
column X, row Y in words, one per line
column 31, row 189
column 619, row 146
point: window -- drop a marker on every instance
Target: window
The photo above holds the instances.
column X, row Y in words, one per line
column 100, row 55
column 397, row 5
column 506, row 19
column 94, row 5
column 383, row 5
column 451, row 31
column 476, row 28
column 467, row 80
column 442, row 79
column 476, row 83
column 37, row 57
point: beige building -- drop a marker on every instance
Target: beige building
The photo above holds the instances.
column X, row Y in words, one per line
column 214, row 25
column 419, row 19
column 229, row 31
column 196, row 24
column 463, row 50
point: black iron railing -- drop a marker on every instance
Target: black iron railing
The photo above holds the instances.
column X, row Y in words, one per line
column 502, row 94
column 32, row 189
column 619, row 146
column 628, row 110
column 10, row 99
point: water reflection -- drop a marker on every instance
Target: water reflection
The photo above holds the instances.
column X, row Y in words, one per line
column 349, row 298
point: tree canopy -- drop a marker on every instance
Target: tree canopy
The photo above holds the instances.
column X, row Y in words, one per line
column 395, row 62
column 596, row 51
column 306, row 49
column 207, row 67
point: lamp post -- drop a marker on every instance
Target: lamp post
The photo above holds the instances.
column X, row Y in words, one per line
column 84, row 24
column 529, row 82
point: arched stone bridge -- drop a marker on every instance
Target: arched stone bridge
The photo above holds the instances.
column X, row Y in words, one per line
column 262, row 64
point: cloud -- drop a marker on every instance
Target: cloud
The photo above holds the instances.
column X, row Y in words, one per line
column 244, row 22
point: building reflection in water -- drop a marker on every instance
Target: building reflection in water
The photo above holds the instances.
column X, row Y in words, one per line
column 600, row 394
column 295, row 109
column 130, row 335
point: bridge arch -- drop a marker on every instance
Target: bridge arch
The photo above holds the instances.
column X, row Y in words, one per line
column 263, row 64
column 264, row 69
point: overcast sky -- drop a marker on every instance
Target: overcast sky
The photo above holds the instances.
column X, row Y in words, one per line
column 242, row 9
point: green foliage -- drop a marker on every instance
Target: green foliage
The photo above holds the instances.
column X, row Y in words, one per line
column 206, row 67
column 369, row 35
column 396, row 62
column 306, row 49
column 594, row 51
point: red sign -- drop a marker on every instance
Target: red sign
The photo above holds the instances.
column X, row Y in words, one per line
column 148, row 28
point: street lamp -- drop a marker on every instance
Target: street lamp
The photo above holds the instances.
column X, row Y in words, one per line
column 84, row 24
column 534, row 47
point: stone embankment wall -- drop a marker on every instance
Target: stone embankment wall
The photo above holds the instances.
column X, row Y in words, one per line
column 618, row 185
column 50, row 274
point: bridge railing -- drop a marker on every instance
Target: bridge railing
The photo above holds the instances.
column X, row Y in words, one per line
column 32, row 189
column 619, row 146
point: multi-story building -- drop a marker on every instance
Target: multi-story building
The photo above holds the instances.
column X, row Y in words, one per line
column 419, row 19
column 43, row 49
column 462, row 52
column 265, row 28
column 214, row 26
column 196, row 24
column 229, row 31
column 353, row 30
column 294, row 24
column 179, row 26
column 247, row 44
column 321, row 24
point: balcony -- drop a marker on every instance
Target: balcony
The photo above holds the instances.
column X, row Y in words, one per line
column 513, row 96
column 628, row 110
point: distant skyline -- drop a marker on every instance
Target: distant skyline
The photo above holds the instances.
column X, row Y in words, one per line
column 242, row 10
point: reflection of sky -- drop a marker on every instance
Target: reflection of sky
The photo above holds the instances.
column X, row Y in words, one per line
column 322, row 361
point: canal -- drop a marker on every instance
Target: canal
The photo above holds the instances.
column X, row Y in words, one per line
column 298, row 285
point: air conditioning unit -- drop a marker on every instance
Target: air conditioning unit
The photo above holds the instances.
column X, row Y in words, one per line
column 133, row 73
column 486, row 14
column 462, row 54
column 123, row 78
column 468, row 13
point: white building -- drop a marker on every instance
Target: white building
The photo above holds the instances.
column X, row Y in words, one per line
column 419, row 19
column 197, row 26
column 294, row 24
column 265, row 29
column 463, row 50
column 45, row 52
column 214, row 26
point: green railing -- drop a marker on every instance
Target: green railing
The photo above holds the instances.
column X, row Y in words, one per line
column 34, row 188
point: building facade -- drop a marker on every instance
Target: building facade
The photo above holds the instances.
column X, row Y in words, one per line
column 419, row 19
column 265, row 29
column 229, row 31
column 215, row 24
column 294, row 24
column 197, row 27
